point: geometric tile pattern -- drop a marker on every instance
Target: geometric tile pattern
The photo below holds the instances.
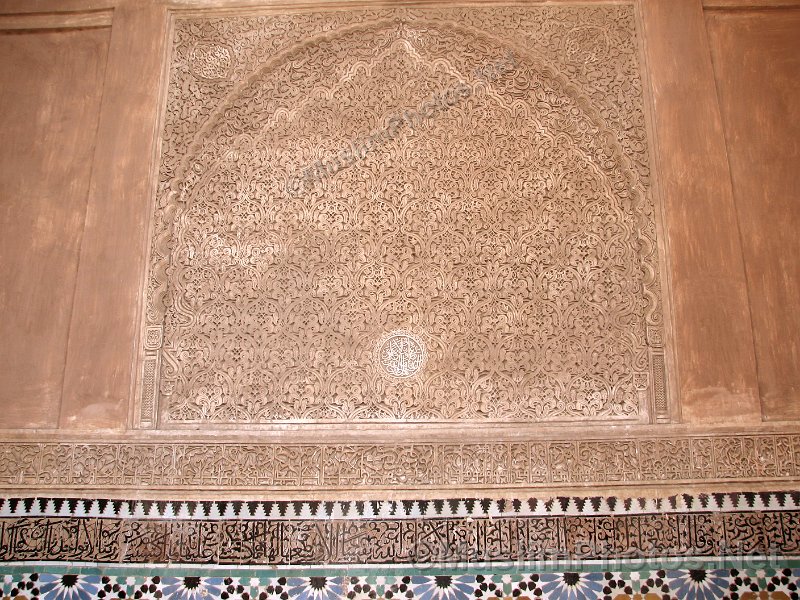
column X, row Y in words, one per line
column 650, row 584
column 398, row 509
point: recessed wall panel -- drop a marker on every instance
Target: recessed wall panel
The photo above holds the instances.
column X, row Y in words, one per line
column 50, row 90
column 757, row 67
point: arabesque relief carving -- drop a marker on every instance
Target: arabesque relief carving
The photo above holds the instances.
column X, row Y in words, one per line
column 253, row 466
column 511, row 231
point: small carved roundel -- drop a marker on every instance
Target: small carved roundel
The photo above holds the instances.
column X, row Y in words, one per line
column 400, row 354
column 211, row 61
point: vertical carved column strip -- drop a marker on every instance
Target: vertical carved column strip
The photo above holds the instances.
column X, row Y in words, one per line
column 146, row 416
column 660, row 403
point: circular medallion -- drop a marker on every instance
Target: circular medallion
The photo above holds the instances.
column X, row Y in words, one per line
column 211, row 61
column 400, row 354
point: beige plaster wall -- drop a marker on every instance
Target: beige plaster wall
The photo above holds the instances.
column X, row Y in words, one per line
column 51, row 84
column 756, row 56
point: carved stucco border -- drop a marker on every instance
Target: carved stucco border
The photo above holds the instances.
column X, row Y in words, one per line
column 246, row 465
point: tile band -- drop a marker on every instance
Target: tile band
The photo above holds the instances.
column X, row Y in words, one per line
column 316, row 533
column 308, row 510
column 394, row 541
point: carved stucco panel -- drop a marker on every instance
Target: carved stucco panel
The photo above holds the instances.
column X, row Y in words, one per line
column 509, row 232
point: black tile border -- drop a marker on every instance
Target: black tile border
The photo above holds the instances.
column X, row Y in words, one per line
column 220, row 510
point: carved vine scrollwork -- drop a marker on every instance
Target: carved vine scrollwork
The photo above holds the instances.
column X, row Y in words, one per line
column 227, row 466
column 514, row 232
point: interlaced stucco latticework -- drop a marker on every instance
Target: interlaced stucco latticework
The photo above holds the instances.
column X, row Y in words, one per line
column 513, row 233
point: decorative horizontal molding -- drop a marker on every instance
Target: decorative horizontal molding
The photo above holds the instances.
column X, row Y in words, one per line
column 230, row 467
column 201, row 8
column 56, row 20
column 100, row 531
column 750, row 5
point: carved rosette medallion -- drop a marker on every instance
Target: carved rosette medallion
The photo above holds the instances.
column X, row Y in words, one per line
column 507, row 213
column 400, row 354
column 212, row 61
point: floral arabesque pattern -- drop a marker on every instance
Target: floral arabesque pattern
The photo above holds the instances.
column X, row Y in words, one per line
column 513, row 233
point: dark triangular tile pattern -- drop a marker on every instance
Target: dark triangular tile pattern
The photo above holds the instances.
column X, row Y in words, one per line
column 464, row 507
